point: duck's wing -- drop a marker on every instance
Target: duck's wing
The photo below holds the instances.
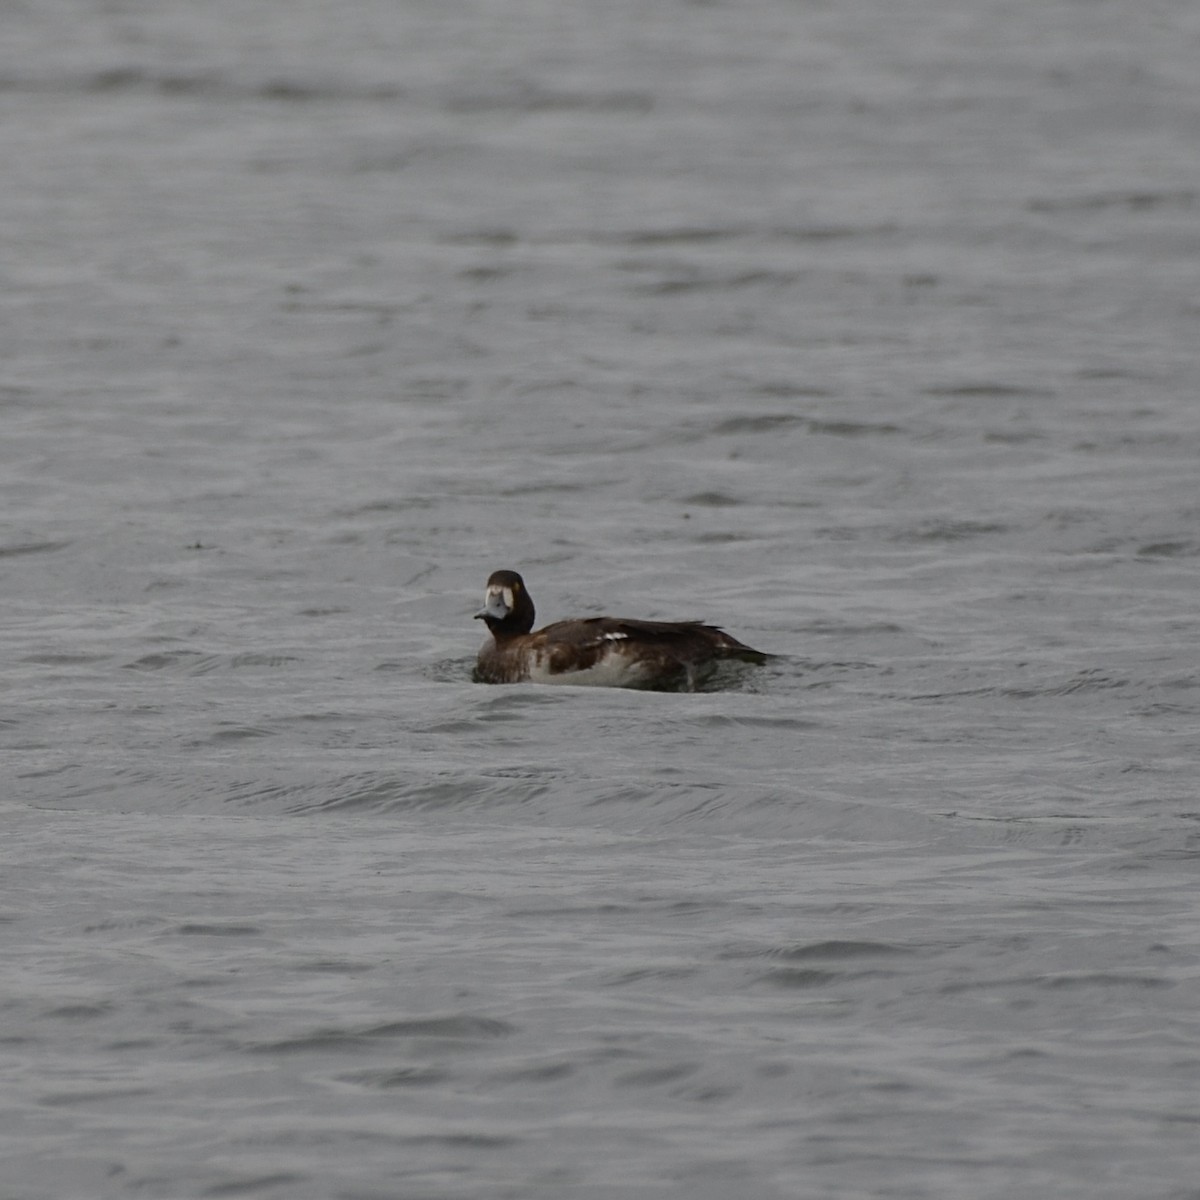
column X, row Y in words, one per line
column 686, row 640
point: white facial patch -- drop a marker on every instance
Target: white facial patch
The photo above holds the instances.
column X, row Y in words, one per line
column 498, row 602
column 614, row 637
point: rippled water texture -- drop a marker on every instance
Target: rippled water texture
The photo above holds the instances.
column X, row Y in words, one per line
column 866, row 330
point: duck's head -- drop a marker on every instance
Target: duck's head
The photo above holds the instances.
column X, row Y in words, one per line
column 507, row 606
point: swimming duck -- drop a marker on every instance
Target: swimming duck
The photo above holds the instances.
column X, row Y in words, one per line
column 600, row 651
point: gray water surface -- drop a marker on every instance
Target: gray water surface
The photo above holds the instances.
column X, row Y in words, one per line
column 865, row 330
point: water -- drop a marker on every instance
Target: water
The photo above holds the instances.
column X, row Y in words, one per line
column 866, row 330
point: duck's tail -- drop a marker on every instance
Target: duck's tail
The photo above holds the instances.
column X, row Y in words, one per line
column 732, row 648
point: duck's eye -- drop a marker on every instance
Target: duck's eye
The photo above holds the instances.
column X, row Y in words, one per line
column 516, row 587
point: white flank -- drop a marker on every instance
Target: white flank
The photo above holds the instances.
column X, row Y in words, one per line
column 613, row 670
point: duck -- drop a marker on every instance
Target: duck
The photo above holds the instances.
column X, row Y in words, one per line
column 597, row 651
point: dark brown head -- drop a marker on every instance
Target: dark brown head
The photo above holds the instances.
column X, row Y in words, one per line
column 507, row 606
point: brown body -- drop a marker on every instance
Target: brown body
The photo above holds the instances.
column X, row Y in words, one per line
column 601, row 651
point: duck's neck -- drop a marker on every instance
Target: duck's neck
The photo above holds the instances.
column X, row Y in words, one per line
column 514, row 623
